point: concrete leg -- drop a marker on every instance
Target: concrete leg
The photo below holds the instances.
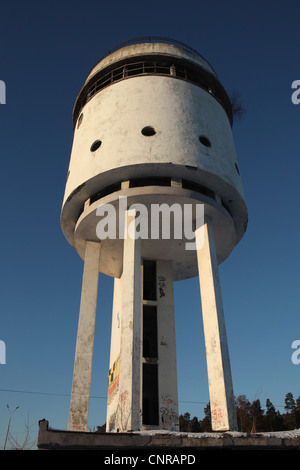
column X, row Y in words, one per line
column 223, row 413
column 114, row 361
column 167, row 366
column 80, row 397
column 128, row 413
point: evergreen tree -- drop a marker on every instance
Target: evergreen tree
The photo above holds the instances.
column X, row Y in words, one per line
column 270, row 416
column 298, row 404
column 291, row 418
column 251, row 417
column 256, row 416
column 289, row 401
column 279, row 424
column 185, row 422
column 206, row 422
column 195, row 425
column 243, row 406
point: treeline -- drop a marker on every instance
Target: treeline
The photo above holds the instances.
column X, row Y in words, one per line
column 251, row 417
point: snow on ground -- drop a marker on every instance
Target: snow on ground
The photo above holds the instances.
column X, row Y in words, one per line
column 219, row 435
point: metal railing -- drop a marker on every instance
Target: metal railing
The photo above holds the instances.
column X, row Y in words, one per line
column 167, row 66
column 135, row 68
column 151, row 39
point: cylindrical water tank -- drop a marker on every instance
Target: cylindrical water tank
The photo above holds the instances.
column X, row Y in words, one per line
column 152, row 123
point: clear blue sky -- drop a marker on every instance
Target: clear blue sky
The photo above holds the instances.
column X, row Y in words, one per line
column 47, row 49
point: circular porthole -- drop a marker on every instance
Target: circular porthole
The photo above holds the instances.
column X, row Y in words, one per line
column 204, row 141
column 148, row 131
column 95, row 145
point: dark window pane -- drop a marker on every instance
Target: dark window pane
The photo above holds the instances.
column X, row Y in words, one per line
column 149, row 331
column 149, row 284
column 150, row 394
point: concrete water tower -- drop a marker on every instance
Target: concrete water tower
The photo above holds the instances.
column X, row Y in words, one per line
column 152, row 132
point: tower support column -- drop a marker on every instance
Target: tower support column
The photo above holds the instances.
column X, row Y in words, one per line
column 167, row 366
column 79, row 407
column 128, row 411
column 222, row 406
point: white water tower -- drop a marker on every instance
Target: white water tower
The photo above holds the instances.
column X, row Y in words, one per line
column 152, row 126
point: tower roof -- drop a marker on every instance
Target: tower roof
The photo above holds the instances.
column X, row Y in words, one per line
column 110, row 68
column 153, row 40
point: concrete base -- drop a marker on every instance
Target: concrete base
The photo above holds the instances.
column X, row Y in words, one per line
column 179, row 442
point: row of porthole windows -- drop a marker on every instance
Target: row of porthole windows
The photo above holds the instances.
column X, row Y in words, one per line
column 149, row 131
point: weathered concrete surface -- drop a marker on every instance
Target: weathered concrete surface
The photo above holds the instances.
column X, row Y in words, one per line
column 223, row 413
column 53, row 439
column 128, row 413
column 180, row 112
column 79, row 407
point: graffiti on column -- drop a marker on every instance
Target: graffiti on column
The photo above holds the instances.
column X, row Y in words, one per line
column 123, row 412
column 169, row 415
column 113, row 380
column 162, row 286
column 217, row 415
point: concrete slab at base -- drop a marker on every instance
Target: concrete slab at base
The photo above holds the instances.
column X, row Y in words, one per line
column 53, row 439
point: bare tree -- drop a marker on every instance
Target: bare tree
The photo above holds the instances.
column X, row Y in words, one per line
column 25, row 444
column 8, row 424
column 238, row 109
